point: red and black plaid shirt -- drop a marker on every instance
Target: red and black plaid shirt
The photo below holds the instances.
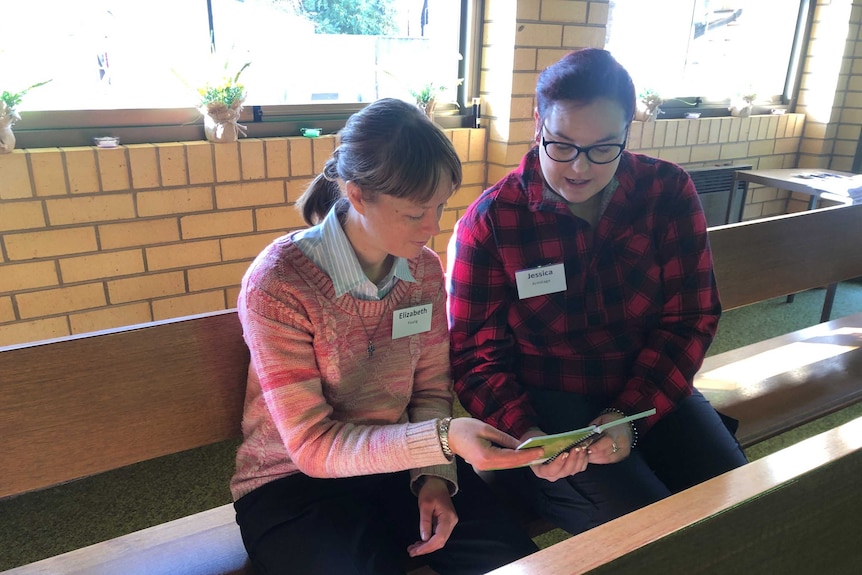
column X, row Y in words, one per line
column 639, row 311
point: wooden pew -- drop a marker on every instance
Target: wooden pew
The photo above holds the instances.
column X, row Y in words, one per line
column 798, row 510
column 85, row 404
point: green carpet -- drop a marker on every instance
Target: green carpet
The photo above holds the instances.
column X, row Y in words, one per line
column 52, row 521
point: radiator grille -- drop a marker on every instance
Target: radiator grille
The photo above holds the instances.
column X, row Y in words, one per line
column 721, row 203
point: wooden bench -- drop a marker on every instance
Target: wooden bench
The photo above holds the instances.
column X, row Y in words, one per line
column 82, row 405
column 798, row 510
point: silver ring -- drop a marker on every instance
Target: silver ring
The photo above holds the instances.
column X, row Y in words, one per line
column 614, row 443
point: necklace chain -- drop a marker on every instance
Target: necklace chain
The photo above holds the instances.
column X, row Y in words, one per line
column 370, row 348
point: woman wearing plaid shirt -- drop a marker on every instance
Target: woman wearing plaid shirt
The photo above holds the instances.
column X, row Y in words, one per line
column 581, row 289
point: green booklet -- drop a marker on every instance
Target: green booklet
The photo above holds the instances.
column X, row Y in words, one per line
column 558, row 443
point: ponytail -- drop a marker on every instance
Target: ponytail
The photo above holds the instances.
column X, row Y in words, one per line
column 321, row 194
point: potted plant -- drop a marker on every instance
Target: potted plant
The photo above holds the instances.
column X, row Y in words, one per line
column 220, row 104
column 428, row 96
column 649, row 102
column 9, row 101
column 743, row 105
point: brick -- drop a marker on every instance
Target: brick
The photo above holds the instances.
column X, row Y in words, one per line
column 216, row 224
column 200, row 162
column 223, row 275
column 598, row 13
column 277, row 151
column 231, row 296
column 788, row 146
column 87, row 209
column 14, row 176
column 82, row 170
column 761, row 148
column 247, row 194
column 21, row 215
column 527, row 10
column 139, row 233
column 678, row 155
column 60, row 300
column 547, row 56
column 25, row 332
column 659, row 134
column 110, row 317
column 252, row 159
column 465, row 196
column 448, row 219
column 19, row 277
column 245, row 247
column 524, row 83
column 172, row 164
column 524, row 59
column 473, row 174
column 102, row 265
column 296, row 187
column 705, row 153
column 584, row 36
column 322, row 149
column 183, row 255
column 477, row 147
column 7, row 312
column 279, row 218
column 226, row 161
column 564, row 11
column 461, row 140
column 31, row 245
column 113, row 168
column 724, row 130
column 175, row 201
column 188, row 304
column 146, row 287
column 734, row 151
column 49, row 177
column 143, row 165
column 539, row 35
column 300, row 157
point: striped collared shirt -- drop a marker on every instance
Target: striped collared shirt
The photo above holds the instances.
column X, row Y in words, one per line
column 327, row 246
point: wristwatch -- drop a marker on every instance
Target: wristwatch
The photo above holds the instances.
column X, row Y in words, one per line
column 443, row 435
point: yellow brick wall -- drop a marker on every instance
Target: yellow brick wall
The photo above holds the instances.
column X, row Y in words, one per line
column 95, row 238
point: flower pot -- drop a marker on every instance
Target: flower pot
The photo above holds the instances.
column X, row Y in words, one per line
column 221, row 122
column 8, row 117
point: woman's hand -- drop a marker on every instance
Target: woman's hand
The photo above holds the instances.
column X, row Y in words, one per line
column 485, row 447
column 614, row 445
column 566, row 464
column 437, row 517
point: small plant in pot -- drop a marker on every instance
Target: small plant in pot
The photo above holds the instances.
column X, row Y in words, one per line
column 221, row 104
column 9, row 101
column 648, row 107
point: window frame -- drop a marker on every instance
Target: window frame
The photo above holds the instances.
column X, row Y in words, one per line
column 70, row 128
column 676, row 107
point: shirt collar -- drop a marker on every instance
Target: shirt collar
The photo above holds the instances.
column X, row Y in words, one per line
column 339, row 260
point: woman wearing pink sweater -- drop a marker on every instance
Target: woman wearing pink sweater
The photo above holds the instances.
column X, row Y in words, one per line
column 348, row 460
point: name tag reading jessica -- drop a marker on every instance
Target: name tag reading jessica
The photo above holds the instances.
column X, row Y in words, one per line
column 541, row 281
column 411, row 320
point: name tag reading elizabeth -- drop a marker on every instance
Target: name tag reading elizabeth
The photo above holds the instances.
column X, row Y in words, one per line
column 541, row 281
column 411, row 320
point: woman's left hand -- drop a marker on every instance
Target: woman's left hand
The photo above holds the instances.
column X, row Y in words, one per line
column 613, row 445
column 437, row 517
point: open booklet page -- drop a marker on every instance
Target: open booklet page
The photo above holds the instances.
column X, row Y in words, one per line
column 557, row 443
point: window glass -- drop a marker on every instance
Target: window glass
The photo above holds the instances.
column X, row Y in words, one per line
column 129, row 54
column 705, row 48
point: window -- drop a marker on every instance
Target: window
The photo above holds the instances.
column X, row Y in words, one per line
column 138, row 63
column 701, row 51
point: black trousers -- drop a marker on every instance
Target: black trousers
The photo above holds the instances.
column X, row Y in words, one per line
column 685, row 448
column 363, row 525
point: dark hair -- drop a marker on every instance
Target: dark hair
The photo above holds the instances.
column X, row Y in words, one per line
column 585, row 76
column 389, row 147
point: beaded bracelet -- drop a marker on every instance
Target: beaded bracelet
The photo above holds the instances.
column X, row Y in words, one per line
column 631, row 423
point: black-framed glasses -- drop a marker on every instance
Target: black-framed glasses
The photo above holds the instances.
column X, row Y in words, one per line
column 598, row 154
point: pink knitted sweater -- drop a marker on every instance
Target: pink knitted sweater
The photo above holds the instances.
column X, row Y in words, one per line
column 315, row 403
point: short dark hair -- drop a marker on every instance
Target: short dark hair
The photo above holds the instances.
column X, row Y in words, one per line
column 389, row 147
column 585, row 76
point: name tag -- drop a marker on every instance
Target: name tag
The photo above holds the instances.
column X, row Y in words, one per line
column 541, row 281
column 411, row 320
